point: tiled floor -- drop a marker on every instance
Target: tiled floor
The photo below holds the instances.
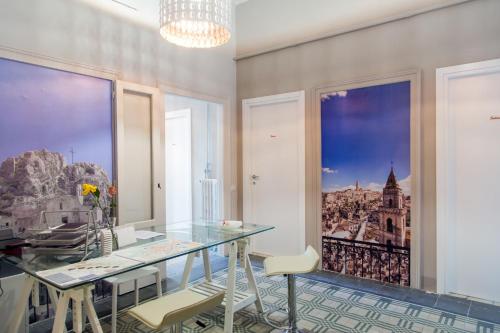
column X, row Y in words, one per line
column 324, row 307
column 456, row 305
column 334, row 303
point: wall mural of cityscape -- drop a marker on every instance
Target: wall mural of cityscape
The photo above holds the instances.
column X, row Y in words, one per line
column 366, row 182
column 55, row 133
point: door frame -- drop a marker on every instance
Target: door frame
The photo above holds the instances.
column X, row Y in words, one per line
column 180, row 114
column 247, row 104
column 414, row 76
column 443, row 154
column 226, row 146
column 157, row 178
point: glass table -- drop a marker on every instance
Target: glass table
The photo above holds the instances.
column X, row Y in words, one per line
column 68, row 278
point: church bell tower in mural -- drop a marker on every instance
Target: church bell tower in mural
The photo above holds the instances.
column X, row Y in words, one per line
column 393, row 214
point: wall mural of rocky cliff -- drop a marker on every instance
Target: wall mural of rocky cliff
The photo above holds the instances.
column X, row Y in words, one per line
column 55, row 134
column 366, row 182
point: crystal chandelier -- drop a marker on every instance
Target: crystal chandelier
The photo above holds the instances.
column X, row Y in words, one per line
column 196, row 23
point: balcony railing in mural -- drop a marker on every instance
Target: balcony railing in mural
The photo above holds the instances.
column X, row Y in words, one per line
column 368, row 260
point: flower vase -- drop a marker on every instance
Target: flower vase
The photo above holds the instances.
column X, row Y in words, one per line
column 111, row 226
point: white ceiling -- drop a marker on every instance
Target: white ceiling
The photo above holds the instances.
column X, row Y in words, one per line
column 263, row 25
column 145, row 12
column 270, row 24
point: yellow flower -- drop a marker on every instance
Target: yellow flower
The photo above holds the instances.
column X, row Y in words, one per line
column 88, row 188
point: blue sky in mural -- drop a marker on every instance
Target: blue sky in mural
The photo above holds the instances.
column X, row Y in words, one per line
column 364, row 130
column 42, row 108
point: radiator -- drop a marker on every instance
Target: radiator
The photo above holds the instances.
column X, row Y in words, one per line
column 210, row 199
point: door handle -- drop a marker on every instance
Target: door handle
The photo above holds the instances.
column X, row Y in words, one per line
column 254, row 177
column 495, row 118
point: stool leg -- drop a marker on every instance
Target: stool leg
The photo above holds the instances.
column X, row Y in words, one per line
column 158, row 284
column 114, row 307
column 292, row 303
column 136, row 292
column 176, row 328
column 292, row 306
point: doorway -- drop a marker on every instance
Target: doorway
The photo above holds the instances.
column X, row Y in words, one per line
column 178, row 170
column 193, row 159
column 274, row 171
column 468, row 186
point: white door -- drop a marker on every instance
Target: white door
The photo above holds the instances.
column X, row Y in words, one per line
column 139, row 161
column 468, row 182
column 139, row 154
column 273, row 171
column 178, row 166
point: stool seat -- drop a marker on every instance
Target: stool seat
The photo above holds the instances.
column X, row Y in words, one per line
column 300, row 264
column 174, row 308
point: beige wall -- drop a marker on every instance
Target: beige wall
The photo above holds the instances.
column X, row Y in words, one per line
column 459, row 34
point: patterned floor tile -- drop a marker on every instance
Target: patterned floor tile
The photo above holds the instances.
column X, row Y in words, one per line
column 324, row 308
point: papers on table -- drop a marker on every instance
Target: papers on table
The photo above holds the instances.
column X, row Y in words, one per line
column 157, row 250
column 146, row 234
column 87, row 270
column 118, row 261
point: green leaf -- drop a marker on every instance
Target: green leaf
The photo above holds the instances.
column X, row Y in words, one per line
column 97, row 193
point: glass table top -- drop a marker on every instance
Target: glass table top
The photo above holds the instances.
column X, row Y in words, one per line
column 64, row 272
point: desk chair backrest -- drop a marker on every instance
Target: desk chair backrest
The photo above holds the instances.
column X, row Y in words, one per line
column 125, row 236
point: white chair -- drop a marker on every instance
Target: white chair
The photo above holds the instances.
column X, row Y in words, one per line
column 290, row 266
column 126, row 236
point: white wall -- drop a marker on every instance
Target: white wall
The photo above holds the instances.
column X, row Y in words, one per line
column 70, row 32
column 263, row 25
column 464, row 33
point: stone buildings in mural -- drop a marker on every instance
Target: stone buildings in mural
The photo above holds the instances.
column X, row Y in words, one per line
column 368, row 216
column 37, row 181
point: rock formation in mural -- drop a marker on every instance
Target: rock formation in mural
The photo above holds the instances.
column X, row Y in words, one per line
column 37, row 181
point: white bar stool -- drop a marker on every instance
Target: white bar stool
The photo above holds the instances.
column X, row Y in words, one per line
column 173, row 309
column 290, row 266
column 126, row 236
